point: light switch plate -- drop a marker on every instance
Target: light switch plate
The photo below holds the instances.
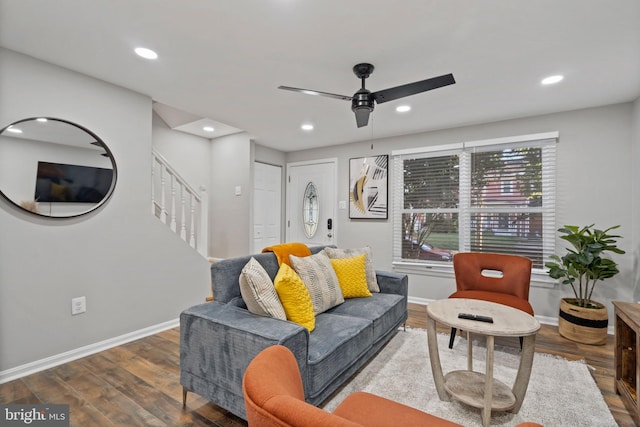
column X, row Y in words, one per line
column 78, row 305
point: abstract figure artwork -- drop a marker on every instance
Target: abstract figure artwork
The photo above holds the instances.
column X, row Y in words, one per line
column 368, row 180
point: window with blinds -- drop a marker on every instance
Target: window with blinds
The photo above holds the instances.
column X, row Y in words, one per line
column 483, row 196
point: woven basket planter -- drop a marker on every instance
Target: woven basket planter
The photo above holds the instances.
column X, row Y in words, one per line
column 582, row 324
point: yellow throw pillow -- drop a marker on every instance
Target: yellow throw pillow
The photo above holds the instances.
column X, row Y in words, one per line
column 352, row 276
column 294, row 297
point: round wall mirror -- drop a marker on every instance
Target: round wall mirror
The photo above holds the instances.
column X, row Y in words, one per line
column 54, row 168
column 310, row 210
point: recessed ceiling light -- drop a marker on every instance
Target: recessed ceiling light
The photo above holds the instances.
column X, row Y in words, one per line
column 14, row 130
column 552, row 79
column 208, row 129
column 307, row 127
column 403, row 108
column 41, row 119
column 146, row 53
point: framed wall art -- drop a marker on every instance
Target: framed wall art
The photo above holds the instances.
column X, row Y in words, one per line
column 368, row 181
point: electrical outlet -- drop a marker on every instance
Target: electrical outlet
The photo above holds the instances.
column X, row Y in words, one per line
column 78, row 305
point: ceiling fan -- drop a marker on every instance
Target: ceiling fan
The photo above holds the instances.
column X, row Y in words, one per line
column 363, row 101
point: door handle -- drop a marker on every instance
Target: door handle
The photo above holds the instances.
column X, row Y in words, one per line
column 329, row 224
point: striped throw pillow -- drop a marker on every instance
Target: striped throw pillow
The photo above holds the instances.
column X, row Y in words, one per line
column 319, row 277
column 258, row 291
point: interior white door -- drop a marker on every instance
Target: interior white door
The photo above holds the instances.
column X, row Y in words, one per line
column 267, row 202
column 322, row 174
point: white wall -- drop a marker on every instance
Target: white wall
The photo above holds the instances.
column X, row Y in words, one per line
column 134, row 273
column 635, row 188
column 595, row 175
column 188, row 154
column 229, row 214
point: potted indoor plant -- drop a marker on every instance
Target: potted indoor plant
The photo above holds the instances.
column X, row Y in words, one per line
column 582, row 267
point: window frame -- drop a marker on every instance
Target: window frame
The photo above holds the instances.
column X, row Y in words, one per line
column 547, row 140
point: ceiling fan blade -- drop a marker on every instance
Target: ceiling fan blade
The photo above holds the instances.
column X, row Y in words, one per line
column 413, row 88
column 316, row 92
column 362, row 116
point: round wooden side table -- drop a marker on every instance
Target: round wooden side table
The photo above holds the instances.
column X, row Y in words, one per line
column 477, row 389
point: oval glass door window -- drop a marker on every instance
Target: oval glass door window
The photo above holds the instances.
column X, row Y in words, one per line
column 310, row 210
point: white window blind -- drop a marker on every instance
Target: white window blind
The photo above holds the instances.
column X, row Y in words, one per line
column 484, row 196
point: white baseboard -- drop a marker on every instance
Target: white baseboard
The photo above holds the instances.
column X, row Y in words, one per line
column 59, row 359
column 545, row 320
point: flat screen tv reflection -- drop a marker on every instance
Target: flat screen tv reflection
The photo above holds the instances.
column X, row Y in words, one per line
column 57, row 182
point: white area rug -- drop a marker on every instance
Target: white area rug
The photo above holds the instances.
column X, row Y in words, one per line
column 560, row 392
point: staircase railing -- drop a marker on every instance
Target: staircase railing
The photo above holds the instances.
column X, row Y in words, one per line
column 178, row 205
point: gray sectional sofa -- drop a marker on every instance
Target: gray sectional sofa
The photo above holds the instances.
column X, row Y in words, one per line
column 218, row 339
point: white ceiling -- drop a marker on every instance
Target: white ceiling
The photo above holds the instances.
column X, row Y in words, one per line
column 223, row 60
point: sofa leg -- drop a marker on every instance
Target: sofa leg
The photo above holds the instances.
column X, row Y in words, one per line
column 184, row 397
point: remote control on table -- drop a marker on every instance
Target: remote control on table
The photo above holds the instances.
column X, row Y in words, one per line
column 476, row 317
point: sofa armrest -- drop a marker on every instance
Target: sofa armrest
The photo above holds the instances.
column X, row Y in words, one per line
column 217, row 342
column 393, row 283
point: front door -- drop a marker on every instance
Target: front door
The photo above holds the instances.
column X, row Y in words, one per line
column 311, row 202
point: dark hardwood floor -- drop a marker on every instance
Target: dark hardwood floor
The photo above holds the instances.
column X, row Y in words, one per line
column 138, row 384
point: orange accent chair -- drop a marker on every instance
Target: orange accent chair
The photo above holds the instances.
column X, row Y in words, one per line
column 499, row 278
column 274, row 397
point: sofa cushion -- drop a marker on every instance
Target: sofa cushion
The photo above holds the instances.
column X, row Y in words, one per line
column 333, row 347
column 383, row 310
column 352, row 276
column 372, row 281
column 295, row 297
column 320, row 278
column 258, row 291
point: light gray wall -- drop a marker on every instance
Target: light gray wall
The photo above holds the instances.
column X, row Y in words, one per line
column 635, row 188
column 269, row 155
column 134, row 273
column 595, row 173
column 188, row 154
column 229, row 214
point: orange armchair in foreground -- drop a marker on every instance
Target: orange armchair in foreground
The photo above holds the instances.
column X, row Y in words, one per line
column 274, row 397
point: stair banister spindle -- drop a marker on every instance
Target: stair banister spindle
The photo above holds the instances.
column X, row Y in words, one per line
column 163, row 201
column 173, row 203
column 183, row 226
column 203, row 238
column 192, row 231
column 153, row 186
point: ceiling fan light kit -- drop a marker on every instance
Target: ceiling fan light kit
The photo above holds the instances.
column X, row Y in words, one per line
column 363, row 101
